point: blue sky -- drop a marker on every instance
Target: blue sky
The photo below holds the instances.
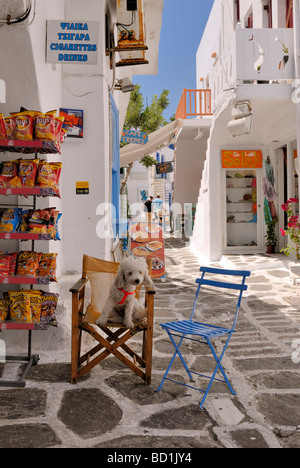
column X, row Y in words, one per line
column 182, row 27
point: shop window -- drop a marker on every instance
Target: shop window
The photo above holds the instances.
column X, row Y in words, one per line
column 289, row 13
column 241, row 203
column 159, row 159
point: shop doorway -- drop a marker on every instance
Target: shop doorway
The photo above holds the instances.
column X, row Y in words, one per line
column 287, row 187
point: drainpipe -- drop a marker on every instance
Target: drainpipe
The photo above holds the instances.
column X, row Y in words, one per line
column 110, row 92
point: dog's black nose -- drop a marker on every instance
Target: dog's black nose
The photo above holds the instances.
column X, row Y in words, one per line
column 137, row 281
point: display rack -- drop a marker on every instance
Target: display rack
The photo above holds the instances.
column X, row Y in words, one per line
column 241, row 217
column 25, row 147
column 29, row 146
column 29, row 191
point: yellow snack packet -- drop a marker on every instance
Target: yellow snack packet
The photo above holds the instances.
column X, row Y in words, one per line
column 35, row 299
column 19, row 306
column 4, row 310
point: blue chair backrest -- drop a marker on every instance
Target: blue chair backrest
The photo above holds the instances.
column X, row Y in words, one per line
column 222, row 284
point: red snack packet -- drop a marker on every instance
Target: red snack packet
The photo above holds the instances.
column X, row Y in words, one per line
column 45, row 126
column 2, row 127
column 23, row 125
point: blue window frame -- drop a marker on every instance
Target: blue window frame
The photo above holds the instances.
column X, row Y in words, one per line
column 115, row 167
column 160, row 159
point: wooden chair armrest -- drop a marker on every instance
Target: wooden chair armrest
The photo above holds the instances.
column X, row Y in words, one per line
column 79, row 285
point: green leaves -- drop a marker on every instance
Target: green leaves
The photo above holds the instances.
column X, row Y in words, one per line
column 147, row 118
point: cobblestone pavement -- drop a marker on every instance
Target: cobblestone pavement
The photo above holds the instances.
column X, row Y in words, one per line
column 114, row 409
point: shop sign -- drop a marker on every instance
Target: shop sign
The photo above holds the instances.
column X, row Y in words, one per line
column 72, row 42
column 241, row 159
column 164, row 168
column 134, row 136
column 82, row 188
column 147, row 240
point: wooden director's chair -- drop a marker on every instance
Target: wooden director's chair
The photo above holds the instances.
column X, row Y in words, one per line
column 101, row 274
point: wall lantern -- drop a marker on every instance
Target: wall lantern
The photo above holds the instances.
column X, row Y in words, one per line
column 131, row 33
column 125, row 85
column 241, row 123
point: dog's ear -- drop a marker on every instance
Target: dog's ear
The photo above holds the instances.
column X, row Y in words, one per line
column 120, row 279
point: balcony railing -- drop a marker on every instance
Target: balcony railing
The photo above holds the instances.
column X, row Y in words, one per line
column 253, row 56
column 194, row 103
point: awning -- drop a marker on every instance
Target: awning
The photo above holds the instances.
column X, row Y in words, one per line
column 159, row 139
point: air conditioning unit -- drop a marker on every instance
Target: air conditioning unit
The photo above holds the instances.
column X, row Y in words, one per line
column 241, row 126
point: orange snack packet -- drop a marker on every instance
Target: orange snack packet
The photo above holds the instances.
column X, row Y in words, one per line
column 47, row 266
column 2, row 127
column 45, row 126
column 35, row 299
column 23, row 125
column 48, row 176
column 4, row 310
column 19, row 305
column 9, row 127
column 10, row 168
column 9, row 174
column 27, row 172
column 28, row 263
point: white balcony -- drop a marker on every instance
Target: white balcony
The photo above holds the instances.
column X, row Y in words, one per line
column 253, row 56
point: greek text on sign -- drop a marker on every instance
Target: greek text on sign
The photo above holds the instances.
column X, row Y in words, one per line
column 72, row 42
column 134, row 136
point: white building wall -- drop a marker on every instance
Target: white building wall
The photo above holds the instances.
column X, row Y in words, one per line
column 274, row 112
column 139, row 179
column 210, row 43
column 86, row 87
column 188, row 173
column 34, row 84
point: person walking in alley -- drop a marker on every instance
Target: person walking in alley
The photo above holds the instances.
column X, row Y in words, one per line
column 148, row 209
column 158, row 209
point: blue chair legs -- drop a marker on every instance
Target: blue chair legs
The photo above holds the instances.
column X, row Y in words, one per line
column 204, row 332
column 189, row 372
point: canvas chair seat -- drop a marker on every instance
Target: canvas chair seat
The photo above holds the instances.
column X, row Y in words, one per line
column 112, row 338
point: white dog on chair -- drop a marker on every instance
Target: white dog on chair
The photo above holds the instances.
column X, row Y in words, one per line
column 122, row 305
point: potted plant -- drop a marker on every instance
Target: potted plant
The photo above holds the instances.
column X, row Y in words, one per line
column 293, row 232
column 271, row 237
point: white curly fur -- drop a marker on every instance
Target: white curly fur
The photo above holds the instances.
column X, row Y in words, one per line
column 132, row 272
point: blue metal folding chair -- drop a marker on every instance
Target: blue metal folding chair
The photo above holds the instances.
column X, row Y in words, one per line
column 188, row 329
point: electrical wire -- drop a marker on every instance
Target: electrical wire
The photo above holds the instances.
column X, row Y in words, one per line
column 132, row 21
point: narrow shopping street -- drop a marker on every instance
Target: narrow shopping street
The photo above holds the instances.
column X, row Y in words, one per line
column 113, row 408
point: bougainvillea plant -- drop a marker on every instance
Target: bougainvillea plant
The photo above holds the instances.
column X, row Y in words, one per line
column 292, row 230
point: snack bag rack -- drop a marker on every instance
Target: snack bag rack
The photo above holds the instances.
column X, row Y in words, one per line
column 34, row 147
